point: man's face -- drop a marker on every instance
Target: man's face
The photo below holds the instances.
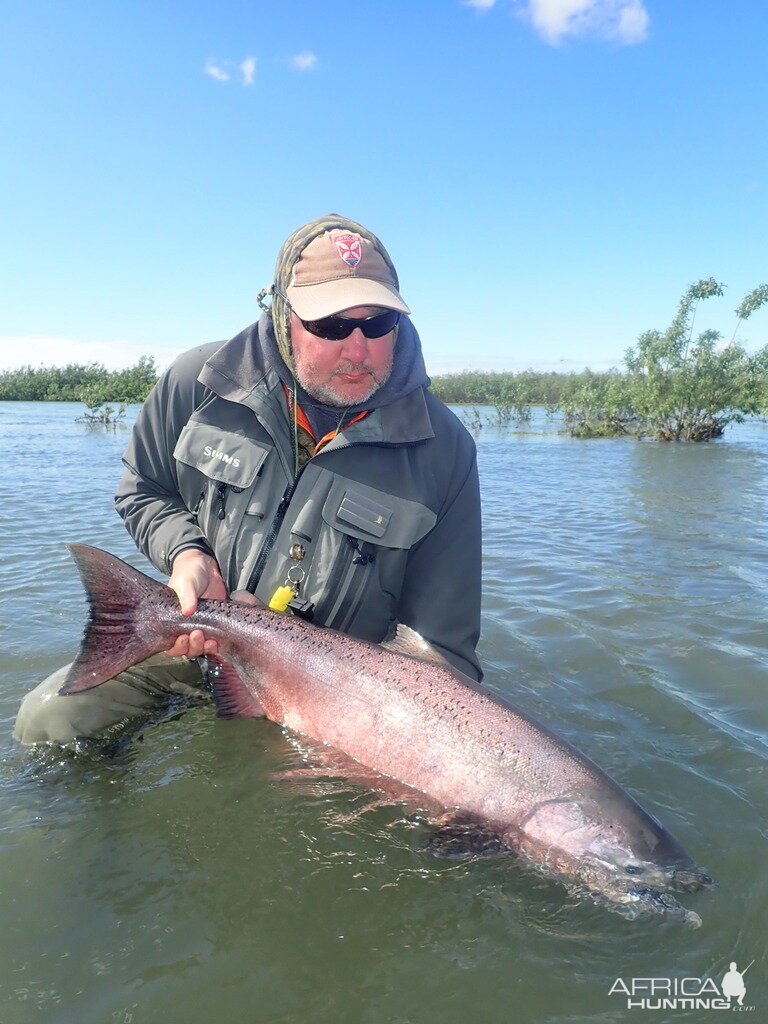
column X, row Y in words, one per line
column 345, row 372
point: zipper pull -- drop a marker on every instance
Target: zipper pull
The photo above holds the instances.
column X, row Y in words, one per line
column 366, row 552
column 220, row 493
column 196, row 510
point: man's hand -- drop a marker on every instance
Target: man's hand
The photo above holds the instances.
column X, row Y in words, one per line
column 194, row 575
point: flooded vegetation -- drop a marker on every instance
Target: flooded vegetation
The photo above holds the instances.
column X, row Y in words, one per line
column 673, row 387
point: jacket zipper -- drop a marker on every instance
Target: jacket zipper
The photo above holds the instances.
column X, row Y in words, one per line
column 348, row 557
column 274, row 529
column 338, row 569
column 271, row 537
column 198, row 506
column 355, row 584
column 221, row 492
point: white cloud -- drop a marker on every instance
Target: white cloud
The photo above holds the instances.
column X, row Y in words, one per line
column 633, row 22
column 247, row 70
column 625, row 21
column 304, row 61
column 480, row 5
column 215, row 71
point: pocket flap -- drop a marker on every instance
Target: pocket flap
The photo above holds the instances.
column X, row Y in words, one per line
column 376, row 516
column 220, row 454
column 366, row 515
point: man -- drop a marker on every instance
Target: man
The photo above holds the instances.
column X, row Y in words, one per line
column 302, row 462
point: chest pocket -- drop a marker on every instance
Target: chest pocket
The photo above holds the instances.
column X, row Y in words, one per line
column 375, row 516
column 218, row 473
column 220, row 455
column 361, row 555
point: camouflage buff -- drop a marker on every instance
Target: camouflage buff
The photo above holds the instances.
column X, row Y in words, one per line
column 292, row 248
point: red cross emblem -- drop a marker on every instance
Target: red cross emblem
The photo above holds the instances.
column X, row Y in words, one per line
column 349, row 248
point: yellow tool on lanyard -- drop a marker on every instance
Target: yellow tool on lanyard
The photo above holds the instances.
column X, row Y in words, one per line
column 290, row 589
column 280, row 598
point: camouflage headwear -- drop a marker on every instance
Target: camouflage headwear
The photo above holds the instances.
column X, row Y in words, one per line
column 292, row 248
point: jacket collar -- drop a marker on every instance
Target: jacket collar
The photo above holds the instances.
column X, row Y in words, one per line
column 236, row 369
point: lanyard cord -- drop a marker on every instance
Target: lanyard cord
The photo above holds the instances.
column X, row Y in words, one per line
column 295, row 429
column 299, row 418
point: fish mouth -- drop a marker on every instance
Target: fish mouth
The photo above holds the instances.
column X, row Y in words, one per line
column 648, row 899
column 639, row 888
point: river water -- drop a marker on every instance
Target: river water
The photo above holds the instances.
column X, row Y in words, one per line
column 625, row 606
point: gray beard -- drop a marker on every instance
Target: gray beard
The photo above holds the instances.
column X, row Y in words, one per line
column 325, row 394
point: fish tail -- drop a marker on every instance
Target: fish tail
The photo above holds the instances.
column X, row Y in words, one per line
column 131, row 618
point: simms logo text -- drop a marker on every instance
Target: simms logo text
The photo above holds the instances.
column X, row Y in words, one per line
column 214, row 453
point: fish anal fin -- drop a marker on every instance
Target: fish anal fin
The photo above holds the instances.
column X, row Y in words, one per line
column 231, row 696
column 408, row 642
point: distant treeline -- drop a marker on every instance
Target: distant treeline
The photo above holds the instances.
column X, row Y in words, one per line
column 673, row 386
column 476, row 387
column 94, row 384
column 91, row 383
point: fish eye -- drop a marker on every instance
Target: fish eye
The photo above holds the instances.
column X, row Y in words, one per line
column 633, row 869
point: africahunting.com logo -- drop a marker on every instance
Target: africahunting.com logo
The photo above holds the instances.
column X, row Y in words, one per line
column 685, row 993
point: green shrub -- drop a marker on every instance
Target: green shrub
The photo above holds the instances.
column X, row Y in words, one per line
column 683, row 389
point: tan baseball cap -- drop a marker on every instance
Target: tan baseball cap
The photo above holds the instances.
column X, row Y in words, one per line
column 339, row 270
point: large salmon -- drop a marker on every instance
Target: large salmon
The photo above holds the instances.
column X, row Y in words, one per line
column 419, row 722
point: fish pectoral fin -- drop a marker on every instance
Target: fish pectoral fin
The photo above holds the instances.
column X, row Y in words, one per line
column 408, row 642
column 231, row 696
column 464, row 839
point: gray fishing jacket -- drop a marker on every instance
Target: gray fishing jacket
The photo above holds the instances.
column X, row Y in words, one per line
column 388, row 512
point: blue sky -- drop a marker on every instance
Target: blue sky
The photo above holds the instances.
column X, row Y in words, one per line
column 548, row 175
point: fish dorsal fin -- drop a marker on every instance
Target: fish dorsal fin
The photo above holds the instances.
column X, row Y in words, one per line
column 231, row 696
column 413, row 645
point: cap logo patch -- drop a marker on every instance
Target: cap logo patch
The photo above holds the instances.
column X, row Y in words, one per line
column 349, row 248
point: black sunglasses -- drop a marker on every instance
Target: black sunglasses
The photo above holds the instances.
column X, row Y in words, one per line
column 336, row 328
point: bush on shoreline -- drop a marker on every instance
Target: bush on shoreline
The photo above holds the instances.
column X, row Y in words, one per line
column 91, row 383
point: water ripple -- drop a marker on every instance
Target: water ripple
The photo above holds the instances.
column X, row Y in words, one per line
column 624, row 605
